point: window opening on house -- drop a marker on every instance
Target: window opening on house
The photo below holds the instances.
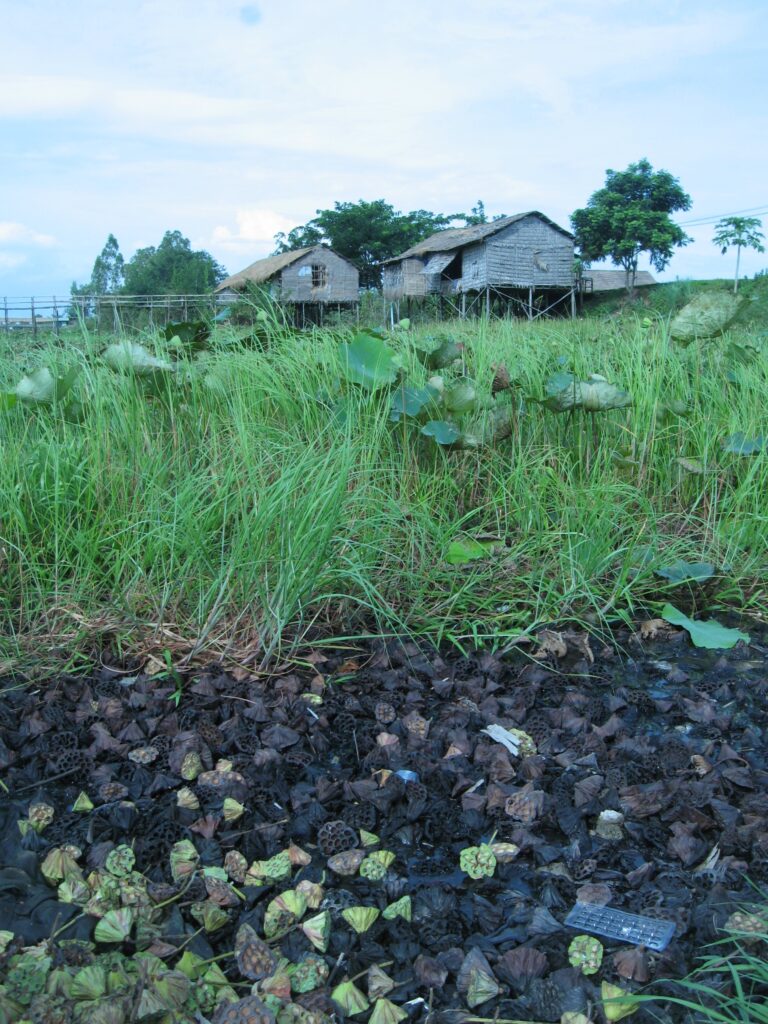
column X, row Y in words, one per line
column 319, row 275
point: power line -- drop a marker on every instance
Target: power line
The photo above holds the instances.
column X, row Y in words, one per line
column 713, row 219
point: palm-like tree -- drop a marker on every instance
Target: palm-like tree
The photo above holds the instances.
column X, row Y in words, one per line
column 743, row 233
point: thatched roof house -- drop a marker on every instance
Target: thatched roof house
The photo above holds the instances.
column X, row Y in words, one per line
column 613, row 280
column 523, row 251
column 313, row 275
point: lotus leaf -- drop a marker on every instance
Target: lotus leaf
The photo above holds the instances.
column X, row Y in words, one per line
column 400, row 908
column 740, row 444
column 460, row 397
column 41, row 388
column 184, row 859
column 706, row 315
column 83, row 804
column 318, row 930
column 440, row 355
column 469, row 549
column 617, row 1002
column 386, row 1012
column 89, row 983
column 680, row 571
column 210, row 915
column 411, row 401
column 130, row 357
column 442, row 431
column 349, row 997
column 710, row 634
column 58, row 864
column 368, row 838
column 367, row 361
column 115, row 926
column 360, row 918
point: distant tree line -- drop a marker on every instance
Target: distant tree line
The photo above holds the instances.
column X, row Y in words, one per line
column 630, row 216
column 171, row 268
column 367, row 233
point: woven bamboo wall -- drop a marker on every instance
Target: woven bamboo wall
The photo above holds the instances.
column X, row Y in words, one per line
column 342, row 279
column 530, row 252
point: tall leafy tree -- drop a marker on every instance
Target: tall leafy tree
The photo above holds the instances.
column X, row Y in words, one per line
column 367, row 233
column 172, row 268
column 108, row 272
column 744, row 233
column 631, row 215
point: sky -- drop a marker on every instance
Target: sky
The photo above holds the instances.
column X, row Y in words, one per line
column 231, row 121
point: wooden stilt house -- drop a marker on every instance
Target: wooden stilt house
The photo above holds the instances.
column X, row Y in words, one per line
column 513, row 258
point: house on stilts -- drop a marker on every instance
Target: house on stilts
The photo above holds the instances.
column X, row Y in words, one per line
column 310, row 280
column 522, row 264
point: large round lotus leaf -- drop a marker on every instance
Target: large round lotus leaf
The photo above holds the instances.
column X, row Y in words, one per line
column 367, row 361
column 442, row 431
column 740, row 444
column 410, row 401
column 592, row 396
column 710, row 634
column 704, row 316
column 126, row 357
column 461, row 396
column 41, row 387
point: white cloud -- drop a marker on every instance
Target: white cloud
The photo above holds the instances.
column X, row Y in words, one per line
column 19, row 234
column 255, row 227
column 11, row 260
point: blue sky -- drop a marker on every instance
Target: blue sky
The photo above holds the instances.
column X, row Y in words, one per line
column 231, row 121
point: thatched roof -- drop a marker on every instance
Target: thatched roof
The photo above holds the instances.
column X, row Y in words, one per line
column 457, row 238
column 612, row 280
column 266, row 269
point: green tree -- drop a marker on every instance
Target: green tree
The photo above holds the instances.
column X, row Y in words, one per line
column 172, row 268
column 743, row 233
column 108, row 272
column 630, row 216
column 366, row 233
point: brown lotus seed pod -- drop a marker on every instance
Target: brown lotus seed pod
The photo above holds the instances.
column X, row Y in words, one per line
column 336, row 837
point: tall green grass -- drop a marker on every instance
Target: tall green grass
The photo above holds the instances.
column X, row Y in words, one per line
column 250, row 510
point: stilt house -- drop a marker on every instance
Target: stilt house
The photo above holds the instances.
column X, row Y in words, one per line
column 519, row 254
column 313, row 276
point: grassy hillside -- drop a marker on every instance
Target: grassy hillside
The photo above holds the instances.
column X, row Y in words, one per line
column 252, row 496
column 666, row 299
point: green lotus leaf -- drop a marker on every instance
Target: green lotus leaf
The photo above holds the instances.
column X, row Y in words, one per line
column 386, row 1012
column 5, row 938
column 681, row 572
column 130, row 357
column 469, row 549
column 115, row 926
column 368, row 838
column 89, row 983
column 360, row 918
column 83, row 804
column 411, row 401
column 400, row 908
column 367, row 361
column 184, row 860
column 73, row 890
column 706, row 315
column 440, row 355
column 482, row 987
column 172, row 989
column 710, row 634
column 210, row 915
column 740, row 444
column 349, row 997
column 441, row 431
column 59, row 864
column 190, row 965
column 617, row 1002
column 277, row 868
column 318, row 930
column 460, row 397
column 41, row 387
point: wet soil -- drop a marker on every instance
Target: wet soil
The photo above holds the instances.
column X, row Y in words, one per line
column 672, row 738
